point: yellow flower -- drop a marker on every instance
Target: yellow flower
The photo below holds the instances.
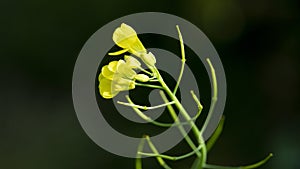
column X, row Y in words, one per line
column 108, row 71
column 126, row 38
column 110, row 88
column 119, row 76
column 115, row 77
column 105, row 88
column 125, row 70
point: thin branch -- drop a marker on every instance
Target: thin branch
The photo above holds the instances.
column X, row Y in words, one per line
column 144, row 107
column 159, row 159
column 148, row 85
column 180, row 127
column 146, row 118
column 214, row 97
column 182, row 60
column 145, row 71
column 138, row 160
column 174, row 158
column 200, row 107
column 258, row 163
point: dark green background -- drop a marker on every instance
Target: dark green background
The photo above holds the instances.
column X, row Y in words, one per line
column 258, row 42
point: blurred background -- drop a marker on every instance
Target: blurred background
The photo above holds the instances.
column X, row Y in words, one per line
column 258, row 43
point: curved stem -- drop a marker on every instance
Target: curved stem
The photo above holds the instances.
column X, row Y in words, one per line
column 258, row 163
column 214, row 97
column 200, row 107
column 210, row 112
column 209, row 166
column 145, row 107
column 178, row 104
column 174, row 158
column 159, row 159
column 148, row 119
column 182, row 59
column 177, row 121
column 197, row 132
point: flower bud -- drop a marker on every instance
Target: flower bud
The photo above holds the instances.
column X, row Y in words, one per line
column 149, row 59
column 142, row 77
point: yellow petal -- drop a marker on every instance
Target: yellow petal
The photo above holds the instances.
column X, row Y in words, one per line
column 132, row 85
column 137, row 48
column 132, row 62
column 112, row 66
column 126, row 37
column 107, row 73
column 125, row 70
column 122, row 84
column 105, row 89
column 100, row 77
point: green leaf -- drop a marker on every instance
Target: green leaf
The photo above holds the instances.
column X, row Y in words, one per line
column 210, row 143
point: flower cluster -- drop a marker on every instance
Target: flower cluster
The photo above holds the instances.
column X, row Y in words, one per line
column 119, row 76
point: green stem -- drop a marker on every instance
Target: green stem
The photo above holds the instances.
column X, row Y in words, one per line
column 258, row 163
column 182, row 59
column 177, row 103
column 196, row 131
column 145, row 71
column 144, row 107
column 174, row 158
column 146, row 118
column 138, row 160
column 177, row 121
column 203, row 150
column 148, row 85
column 209, row 166
column 214, row 97
column 210, row 112
column 198, row 134
column 159, row 159
column 200, row 107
